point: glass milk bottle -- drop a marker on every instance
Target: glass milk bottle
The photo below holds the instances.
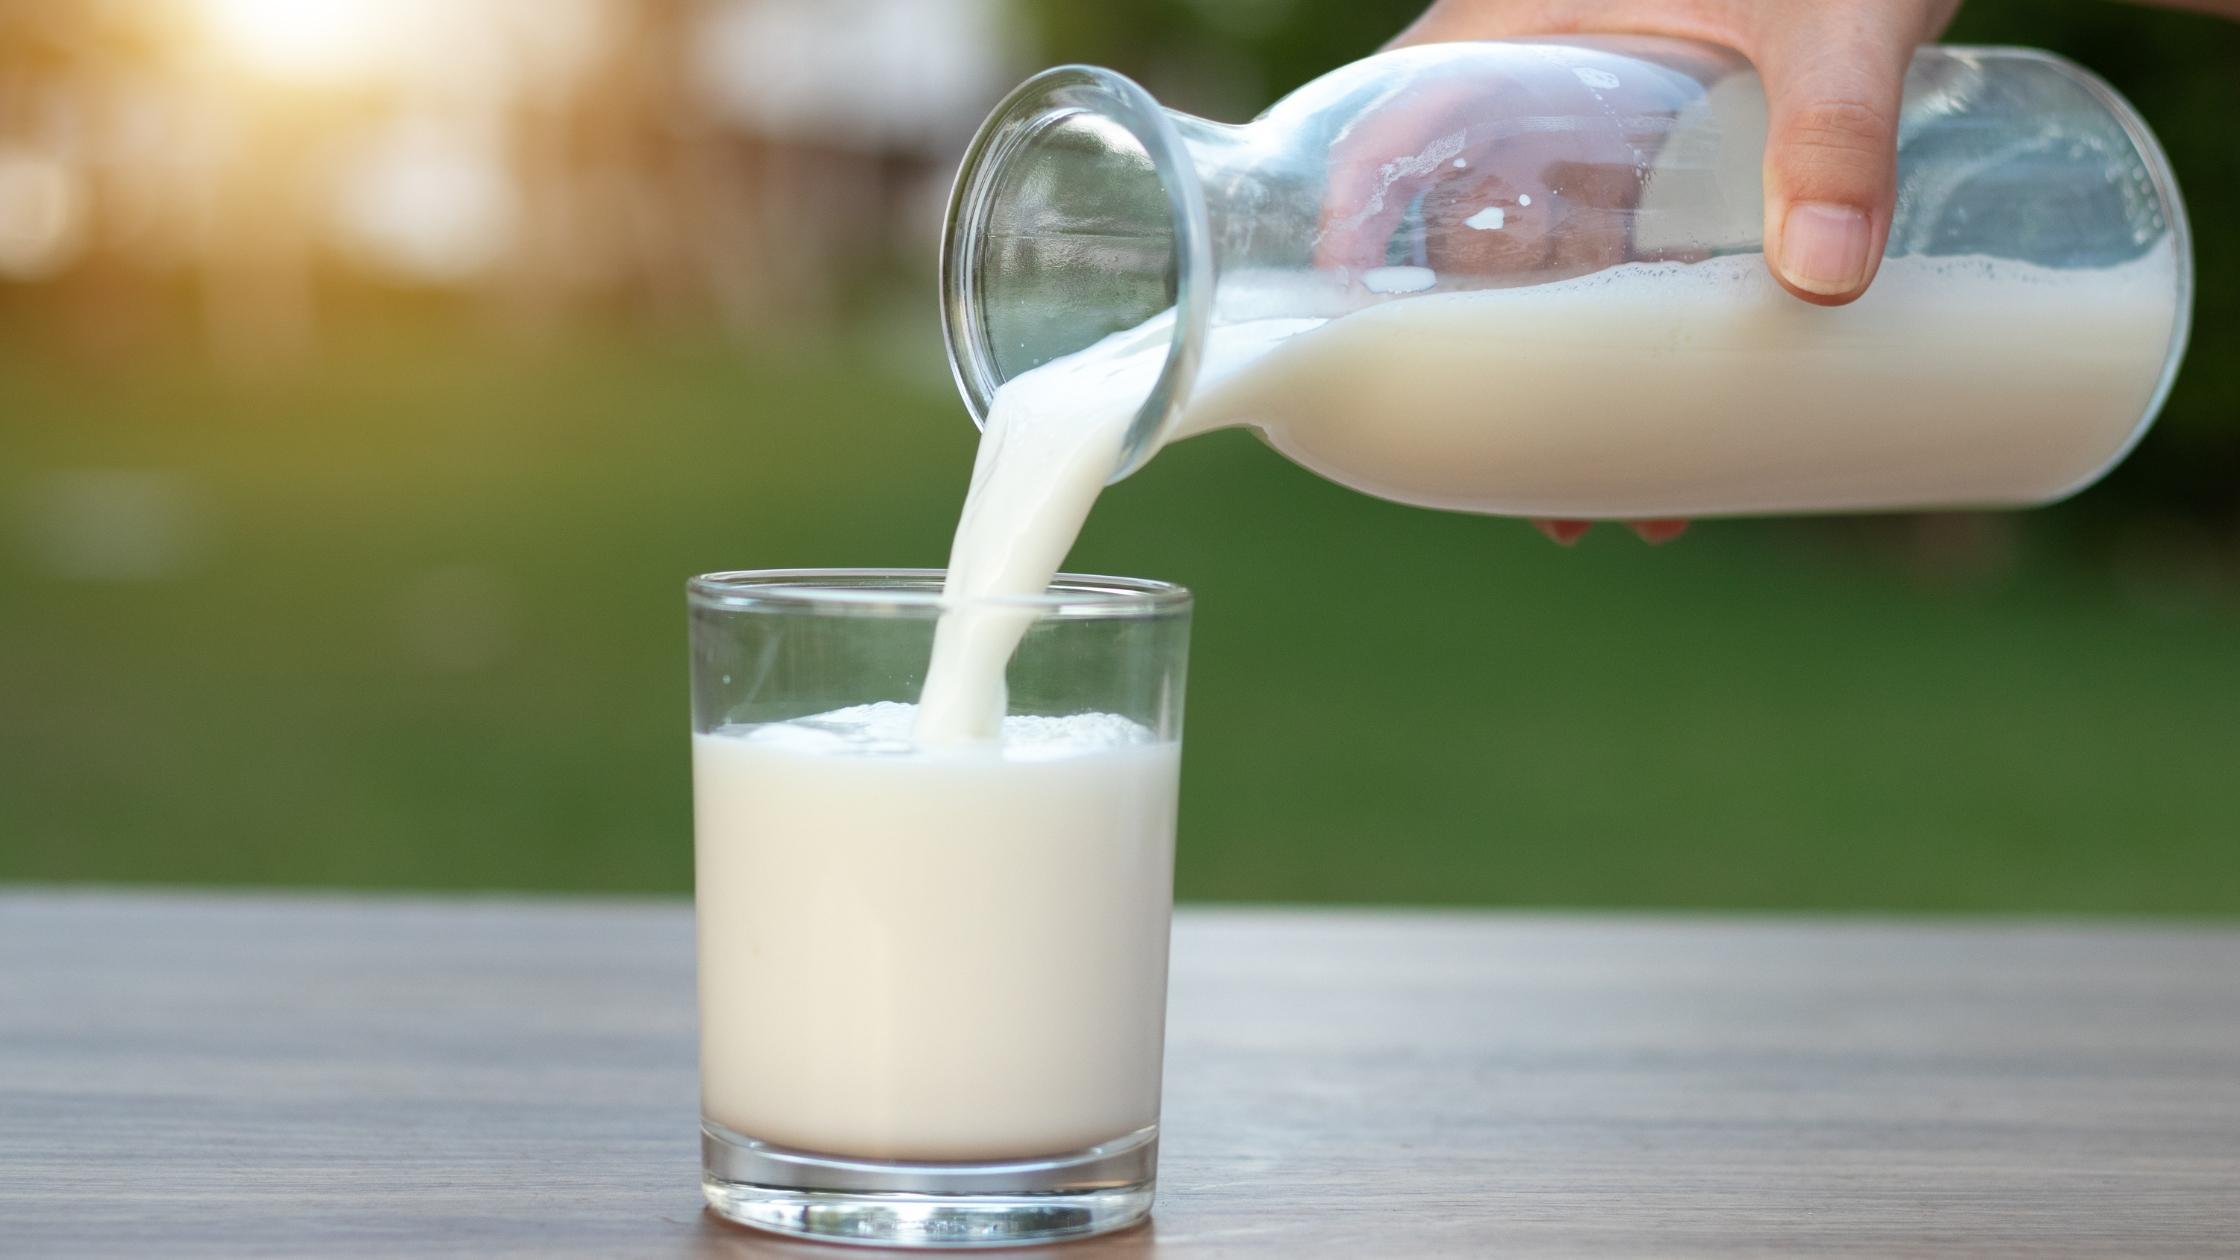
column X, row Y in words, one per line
column 1527, row 277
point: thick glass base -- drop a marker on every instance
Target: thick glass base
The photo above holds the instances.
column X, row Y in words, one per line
column 908, row 1203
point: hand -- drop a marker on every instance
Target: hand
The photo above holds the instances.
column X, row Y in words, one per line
column 1834, row 73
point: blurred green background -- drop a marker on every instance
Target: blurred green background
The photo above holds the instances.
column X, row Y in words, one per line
column 366, row 399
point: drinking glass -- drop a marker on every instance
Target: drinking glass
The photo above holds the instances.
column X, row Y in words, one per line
column 932, row 978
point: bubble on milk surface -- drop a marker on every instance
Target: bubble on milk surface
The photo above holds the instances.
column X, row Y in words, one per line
column 885, row 728
column 881, row 729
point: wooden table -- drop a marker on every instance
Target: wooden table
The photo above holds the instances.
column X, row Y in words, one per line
column 333, row 1077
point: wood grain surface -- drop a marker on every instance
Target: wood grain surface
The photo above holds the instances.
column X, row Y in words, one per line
column 210, row 1076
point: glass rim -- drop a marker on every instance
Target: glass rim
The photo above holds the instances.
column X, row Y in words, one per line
column 917, row 592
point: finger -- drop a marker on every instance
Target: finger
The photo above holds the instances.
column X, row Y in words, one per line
column 1452, row 147
column 1834, row 77
column 1562, row 533
column 1445, row 146
column 1378, row 165
column 1657, row 533
column 1381, row 162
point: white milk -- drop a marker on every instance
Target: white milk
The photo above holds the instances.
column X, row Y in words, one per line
column 1052, row 440
column 1704, row 389
column 1647, row 390
column 933, row 954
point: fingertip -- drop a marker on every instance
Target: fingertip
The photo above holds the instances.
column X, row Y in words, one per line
column 1827, row 250
column 1562, row 533
column 1658, row 533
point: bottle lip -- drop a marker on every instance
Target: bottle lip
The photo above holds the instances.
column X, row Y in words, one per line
column 1043, row 100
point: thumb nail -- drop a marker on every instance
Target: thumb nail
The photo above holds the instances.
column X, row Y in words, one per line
column 1824, row 247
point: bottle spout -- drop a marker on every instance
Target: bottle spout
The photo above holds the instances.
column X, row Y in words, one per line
column 1076, row 214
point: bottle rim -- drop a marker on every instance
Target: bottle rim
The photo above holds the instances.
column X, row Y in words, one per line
column 1043, row 101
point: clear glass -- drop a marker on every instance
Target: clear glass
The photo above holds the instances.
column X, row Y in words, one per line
column 932, row 980
column 1084, row 208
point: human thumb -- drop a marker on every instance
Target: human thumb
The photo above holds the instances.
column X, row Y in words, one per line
column 1834, row 78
